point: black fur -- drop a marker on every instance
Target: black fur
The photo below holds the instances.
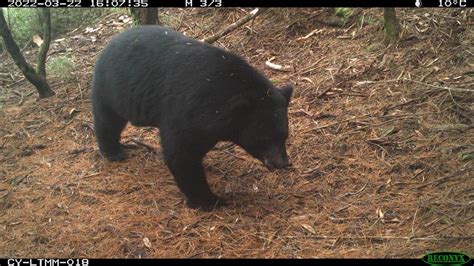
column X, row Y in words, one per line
column 196, row 94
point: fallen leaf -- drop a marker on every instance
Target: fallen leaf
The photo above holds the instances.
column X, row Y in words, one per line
column 37, row 40
column 380, row 213
column 309, row 228
column 255, row 188
column 387, row 131
column 147, row 242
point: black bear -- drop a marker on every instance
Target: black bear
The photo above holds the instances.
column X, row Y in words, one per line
column 196, row 94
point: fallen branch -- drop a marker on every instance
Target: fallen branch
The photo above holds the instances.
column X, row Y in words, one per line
column 80, row 150
column 386, row 109
column 273, row 66
column 382, row 237
column 319, row 96
column 310, row 68
column 414, row 81
column 439, row 87
column 239, row 157
column 367, row 116
column 254, row 13
column 451, row 127
column 354, row 193
column 446, row 178
column 310, row 34
column 139, row 143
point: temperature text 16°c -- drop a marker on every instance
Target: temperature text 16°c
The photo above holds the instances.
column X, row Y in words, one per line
column 452, row 3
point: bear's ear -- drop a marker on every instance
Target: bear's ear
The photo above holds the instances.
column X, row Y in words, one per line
column 287, row 91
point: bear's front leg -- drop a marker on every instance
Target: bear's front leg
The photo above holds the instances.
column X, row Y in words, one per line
column 191, row 180
column 185, row 163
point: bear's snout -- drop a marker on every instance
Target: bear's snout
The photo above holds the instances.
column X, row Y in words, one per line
column 274, row 161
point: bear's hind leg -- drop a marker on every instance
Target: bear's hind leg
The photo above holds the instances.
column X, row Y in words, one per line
column 108, row 127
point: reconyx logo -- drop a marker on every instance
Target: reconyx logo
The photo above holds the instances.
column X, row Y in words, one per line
column 446, row 258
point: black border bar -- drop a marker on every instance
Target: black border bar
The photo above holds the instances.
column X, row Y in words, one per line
column 191, row 262
column 231, row 262
column 235, row 3
column 312, row 3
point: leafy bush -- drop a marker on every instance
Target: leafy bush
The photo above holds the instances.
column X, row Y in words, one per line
column 61, row 66
column 25, row 22
column 20, row 21
column 343, row 12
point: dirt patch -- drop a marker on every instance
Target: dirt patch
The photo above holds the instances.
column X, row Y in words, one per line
column 382, row 149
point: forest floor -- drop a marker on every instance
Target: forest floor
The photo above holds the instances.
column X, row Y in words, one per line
column 382, row 143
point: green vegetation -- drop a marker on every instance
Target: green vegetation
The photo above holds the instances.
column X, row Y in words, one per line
column 20, row 21
column 25, row 22
column 61, row 66
column 343, row 12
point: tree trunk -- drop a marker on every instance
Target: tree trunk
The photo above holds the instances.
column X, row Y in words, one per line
column 43, row 50
column 145, row 16
column 391, row 26
column 39, row 81
column 152, row 16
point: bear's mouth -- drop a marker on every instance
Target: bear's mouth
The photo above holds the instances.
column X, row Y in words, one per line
column 273, row 165
column 267, row 164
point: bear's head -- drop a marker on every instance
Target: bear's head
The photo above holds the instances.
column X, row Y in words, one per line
column 265, row 130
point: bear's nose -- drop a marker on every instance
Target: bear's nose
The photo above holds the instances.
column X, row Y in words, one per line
column 286, row 165
column 282, row 164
